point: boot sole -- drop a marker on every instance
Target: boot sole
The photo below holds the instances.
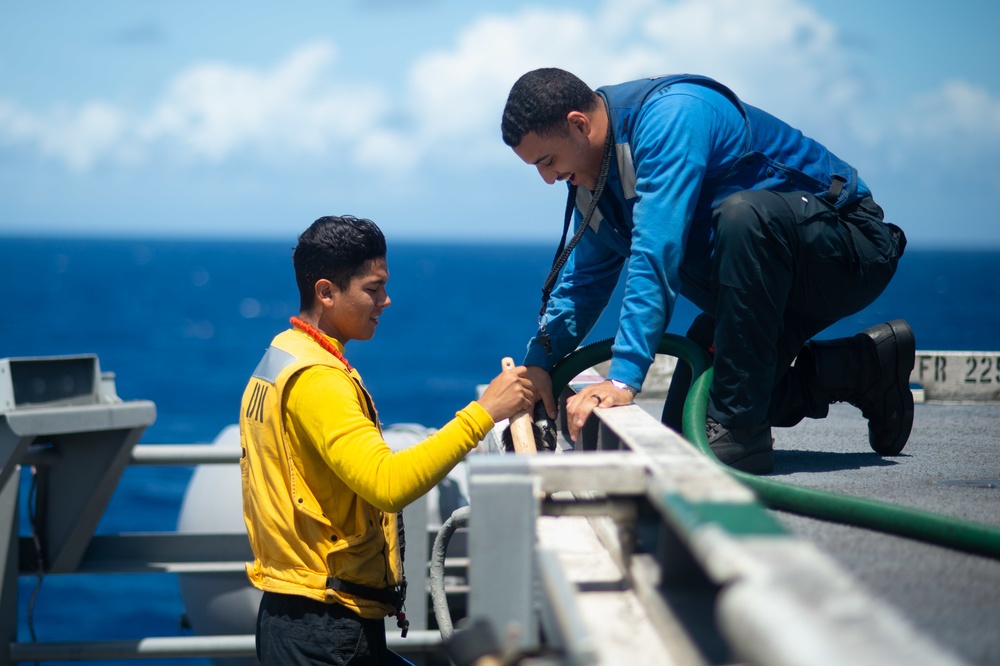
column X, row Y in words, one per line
column 905, row 352
column 755, row 463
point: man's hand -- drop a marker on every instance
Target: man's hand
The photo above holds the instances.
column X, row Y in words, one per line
column 508, row 394
column 541, row 388
column 579, row 407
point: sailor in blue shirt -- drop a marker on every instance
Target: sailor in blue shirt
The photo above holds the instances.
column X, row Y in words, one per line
column 769, row 233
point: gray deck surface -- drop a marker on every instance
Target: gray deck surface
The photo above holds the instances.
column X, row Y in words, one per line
column 952, row 596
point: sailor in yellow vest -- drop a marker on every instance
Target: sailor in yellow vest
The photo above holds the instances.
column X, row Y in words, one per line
column 321, row 488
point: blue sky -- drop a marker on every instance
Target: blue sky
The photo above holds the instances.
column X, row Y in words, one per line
column 245, row 120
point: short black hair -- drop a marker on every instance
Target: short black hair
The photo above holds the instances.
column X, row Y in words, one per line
column 335, row 249
column 540, row 101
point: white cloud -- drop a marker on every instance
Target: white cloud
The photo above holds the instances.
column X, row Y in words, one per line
column 954, row 114
column 779, row 54
column 76, row 137
column 453, row 99
column 947, row 139
column 387, row 149
column 212, row 112
column 216, row 110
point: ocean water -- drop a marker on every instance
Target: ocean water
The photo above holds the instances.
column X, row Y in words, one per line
column 183, row 323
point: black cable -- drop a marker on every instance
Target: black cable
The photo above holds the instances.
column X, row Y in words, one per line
column 562, row 254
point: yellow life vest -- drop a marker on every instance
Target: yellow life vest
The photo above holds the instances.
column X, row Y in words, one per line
column 289, row 491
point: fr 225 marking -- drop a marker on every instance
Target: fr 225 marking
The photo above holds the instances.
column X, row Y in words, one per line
column 971, row 369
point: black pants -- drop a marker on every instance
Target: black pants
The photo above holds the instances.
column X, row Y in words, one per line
column 787, row 266
column 296, row 631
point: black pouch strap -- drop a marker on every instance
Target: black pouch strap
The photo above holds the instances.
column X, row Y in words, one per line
column 836, row 187
column 389, row 596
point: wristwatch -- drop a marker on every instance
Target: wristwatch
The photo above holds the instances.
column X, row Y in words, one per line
column 622, row 385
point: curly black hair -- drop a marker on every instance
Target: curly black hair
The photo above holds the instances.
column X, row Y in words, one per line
column 335, row 249
column 540, row 101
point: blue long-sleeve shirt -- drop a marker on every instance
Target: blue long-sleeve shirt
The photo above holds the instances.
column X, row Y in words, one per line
column 682, row 145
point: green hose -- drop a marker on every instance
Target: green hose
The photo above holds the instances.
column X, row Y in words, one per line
column 932, row 528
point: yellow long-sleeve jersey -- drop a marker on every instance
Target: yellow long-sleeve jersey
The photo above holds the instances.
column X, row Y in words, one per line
column 321, row 488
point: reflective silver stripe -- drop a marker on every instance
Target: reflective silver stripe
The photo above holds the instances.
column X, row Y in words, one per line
column 623, row 153
column 275, row 360
column 626, row 169
column 583, row 197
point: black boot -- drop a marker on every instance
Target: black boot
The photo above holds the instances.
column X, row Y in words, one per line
column 746, row 449
column 871, row 371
